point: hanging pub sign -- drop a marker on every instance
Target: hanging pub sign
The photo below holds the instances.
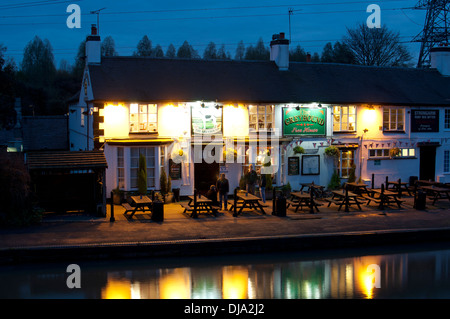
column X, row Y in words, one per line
column 424, row 121
column 304, row 121
column 206, row 119
column 174, row 170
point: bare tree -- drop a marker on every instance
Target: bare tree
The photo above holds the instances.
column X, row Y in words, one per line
column 376, row 46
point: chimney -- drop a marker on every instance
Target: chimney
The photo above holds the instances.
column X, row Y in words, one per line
column 93, row 47
column 279, row 51
column 440, row 59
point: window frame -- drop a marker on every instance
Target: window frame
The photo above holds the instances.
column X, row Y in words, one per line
column 446, row 162
column 133, row 168
column 254, row 124
column 386, row 155
column 352, row 161
column 447, row 119
column 140, row 115
column 342, row 114
column 389, row 122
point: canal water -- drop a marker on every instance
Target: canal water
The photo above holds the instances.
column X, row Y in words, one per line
column 422, row 271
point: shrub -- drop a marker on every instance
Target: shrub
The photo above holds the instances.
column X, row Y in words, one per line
column 335, row 182
column 142, row 175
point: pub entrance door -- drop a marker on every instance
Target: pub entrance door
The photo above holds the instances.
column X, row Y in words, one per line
column 206, row 172
column 427, row 163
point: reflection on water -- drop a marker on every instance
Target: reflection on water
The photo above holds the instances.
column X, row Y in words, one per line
column 413, row 274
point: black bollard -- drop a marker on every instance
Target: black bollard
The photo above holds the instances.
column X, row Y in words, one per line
column 311, row 202
column 373, row 181
column 194, row 212
column 235, row 203
column 274, row 201
column 112, row 219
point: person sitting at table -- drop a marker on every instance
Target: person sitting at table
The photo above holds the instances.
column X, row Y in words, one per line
column 212, row 195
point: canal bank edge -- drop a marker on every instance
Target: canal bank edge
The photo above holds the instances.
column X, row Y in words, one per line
column 209, row 247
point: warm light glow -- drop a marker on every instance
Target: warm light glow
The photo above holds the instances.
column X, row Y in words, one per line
column 175, row 285
column 174, row 121
column 366, row 277
column 235, row 121
column 235, row 282
column 115, row 121
column 117, row 289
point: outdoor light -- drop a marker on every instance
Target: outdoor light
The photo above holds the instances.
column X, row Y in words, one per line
column 297, row 108
column 320, row 105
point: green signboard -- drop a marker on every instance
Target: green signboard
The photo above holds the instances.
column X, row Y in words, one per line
column 304, row 121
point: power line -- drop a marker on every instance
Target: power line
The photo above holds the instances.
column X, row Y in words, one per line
column 209, row 17
column 205, row 9
column 34, row 4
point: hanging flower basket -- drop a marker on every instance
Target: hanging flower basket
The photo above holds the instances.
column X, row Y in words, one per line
column 230, row 154
column 178, row 156
column 299, row 150
column 393, row 152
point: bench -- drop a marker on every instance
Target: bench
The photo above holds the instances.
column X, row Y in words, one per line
column 128, row 208
column 186, row 207
column 334, row 201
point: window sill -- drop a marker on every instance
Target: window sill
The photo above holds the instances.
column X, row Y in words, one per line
column 344, row 132
column 143, row 133
column 393, row 158
column 394, row 131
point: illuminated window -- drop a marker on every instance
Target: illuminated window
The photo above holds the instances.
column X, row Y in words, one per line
column 344, row 118
column 120, row 168
column 149, row 153
column 393, row 119
column 82, row 116
column 260, row 117
column 384, row 153
column 143, row 118
column 346, row 160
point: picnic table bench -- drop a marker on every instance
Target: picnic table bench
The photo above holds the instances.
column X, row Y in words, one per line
column 141, row 204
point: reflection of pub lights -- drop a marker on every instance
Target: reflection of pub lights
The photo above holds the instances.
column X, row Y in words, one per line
column 234, row 282
column 175, row 285
column 117, row 289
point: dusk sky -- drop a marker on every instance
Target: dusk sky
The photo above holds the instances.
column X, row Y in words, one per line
column 313, row 23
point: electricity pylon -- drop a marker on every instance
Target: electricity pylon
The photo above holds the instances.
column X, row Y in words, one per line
column 436, row 29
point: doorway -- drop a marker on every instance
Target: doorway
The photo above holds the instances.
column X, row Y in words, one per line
column 427, row 163
column 205, row 174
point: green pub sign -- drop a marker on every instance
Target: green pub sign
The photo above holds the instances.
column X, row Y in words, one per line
column 305, row 121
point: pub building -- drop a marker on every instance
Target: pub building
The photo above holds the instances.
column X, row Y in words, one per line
column 182, row 113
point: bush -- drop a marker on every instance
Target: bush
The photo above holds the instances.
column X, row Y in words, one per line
column 335, row 182
column 142, row 175
column 163, row 181
column 15, row 194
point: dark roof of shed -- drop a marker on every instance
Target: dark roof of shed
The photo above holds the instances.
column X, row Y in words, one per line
column 66, row 160
column 152, row 79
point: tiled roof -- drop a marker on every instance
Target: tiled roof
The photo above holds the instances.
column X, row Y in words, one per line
column 66, row 160
column 152, row 79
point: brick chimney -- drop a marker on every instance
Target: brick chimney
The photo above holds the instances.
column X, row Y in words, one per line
column 93, row 47
column 279, row 51
column 440, row 59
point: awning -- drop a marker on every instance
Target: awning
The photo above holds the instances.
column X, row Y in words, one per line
column 66, row 160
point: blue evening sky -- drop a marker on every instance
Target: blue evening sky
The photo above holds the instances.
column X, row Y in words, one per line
column 313, row 23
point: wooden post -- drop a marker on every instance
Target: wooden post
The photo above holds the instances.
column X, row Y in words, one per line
column 112, row 219
column 373, row 181
column 400, row 188
column 381, row 198
column 346, row 199
column 235, row 203
column 387, row 180
column 311, row 202
column 274, row 201
column 194, row 212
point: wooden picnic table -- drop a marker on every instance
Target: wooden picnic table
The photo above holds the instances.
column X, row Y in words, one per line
column 244, row 200
column 437, row 192
column 399, row 186
column 358, row 188
column 141, row 203
column 385, row 198
column 422, row 182
column 344, row 197
column 199, row 204
column 300, row 199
